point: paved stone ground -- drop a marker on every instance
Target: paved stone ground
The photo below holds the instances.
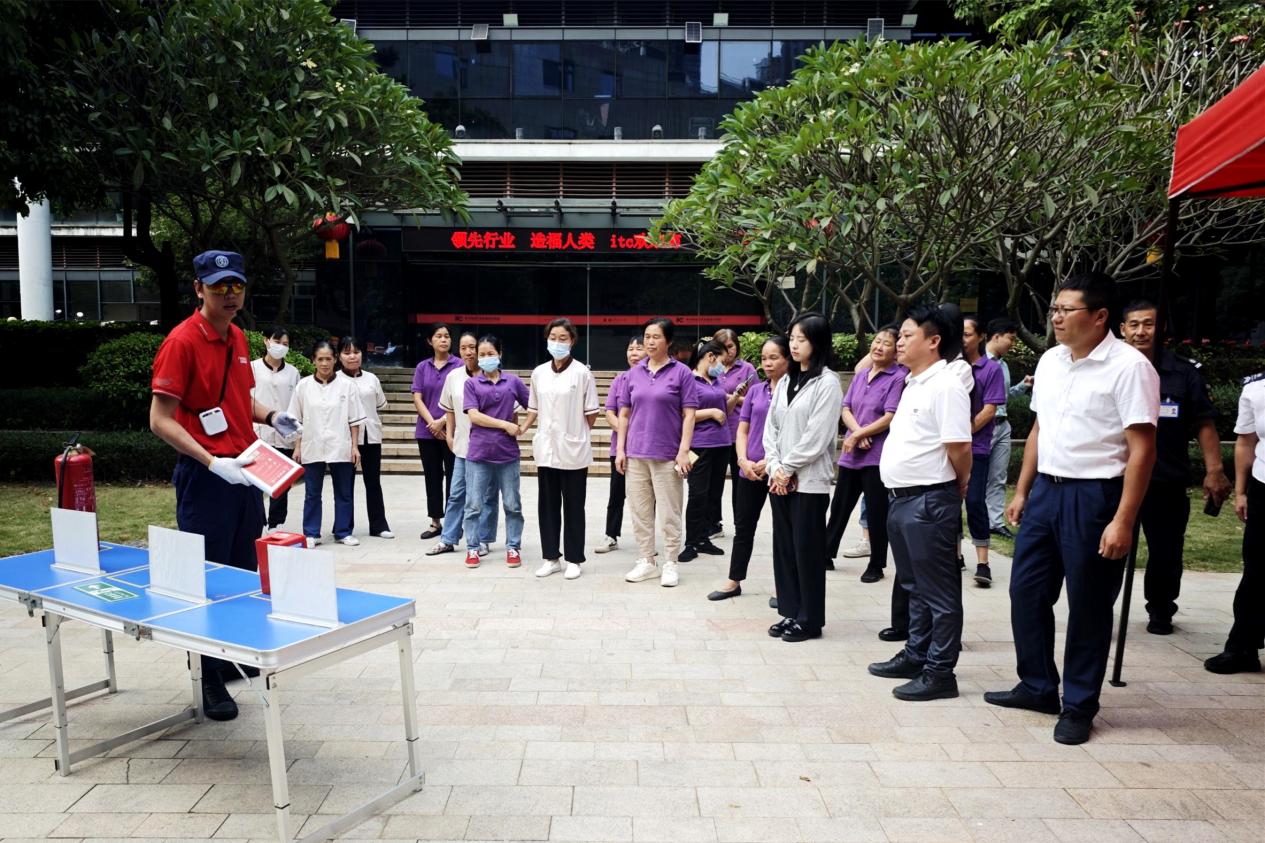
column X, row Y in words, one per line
column 595, row 710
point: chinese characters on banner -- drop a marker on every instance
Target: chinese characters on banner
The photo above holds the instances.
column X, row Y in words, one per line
column 558, row 241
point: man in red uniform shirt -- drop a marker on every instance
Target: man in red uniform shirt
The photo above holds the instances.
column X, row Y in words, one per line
column 202, row 407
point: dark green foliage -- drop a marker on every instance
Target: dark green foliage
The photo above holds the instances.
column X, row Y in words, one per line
column 67, row 407
column 51, row 353
column 119, row 457
column 120, row 372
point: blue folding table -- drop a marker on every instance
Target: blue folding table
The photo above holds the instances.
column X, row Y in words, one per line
column 234, row 625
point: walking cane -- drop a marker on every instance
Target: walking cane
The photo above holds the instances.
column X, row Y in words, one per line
column 1123, row 632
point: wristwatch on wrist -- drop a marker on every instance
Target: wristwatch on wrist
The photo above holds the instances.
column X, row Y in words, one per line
column 268, row 418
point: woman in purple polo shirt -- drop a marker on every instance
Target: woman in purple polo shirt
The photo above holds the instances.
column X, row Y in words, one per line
column 710, row 451
column 988, row 392
column 615, row 503
column 751, row 485
column 437, row 458
column 737, row 378
column 656, row 428
column 491, row 399
column 868, row 408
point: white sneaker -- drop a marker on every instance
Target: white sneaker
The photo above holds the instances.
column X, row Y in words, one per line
column 858, row 550
column 549, row 566
column 608, row 544
column 670, row 576
column 350, row 541
column 313, row 541
column 573, row 571
column 485, row 549
column 642, row 571
column 386, row 534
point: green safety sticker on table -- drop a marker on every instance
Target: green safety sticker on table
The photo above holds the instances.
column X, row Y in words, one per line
column 106, row 593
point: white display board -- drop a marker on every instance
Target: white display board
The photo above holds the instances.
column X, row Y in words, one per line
column 75, row 541
column 302, row 584
column 177, row 564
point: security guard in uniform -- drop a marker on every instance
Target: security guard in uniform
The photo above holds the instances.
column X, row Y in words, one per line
column 1185, row 409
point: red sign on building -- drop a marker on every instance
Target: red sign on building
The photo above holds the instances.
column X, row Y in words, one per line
column 560, row 240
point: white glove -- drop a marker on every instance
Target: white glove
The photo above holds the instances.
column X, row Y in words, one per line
column 286, row 424
column 229, row 469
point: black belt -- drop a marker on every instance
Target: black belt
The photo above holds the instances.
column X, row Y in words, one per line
column 911, row 491
column 1055, row 479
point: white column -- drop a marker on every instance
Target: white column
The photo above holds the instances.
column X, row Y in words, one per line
column 35, row 262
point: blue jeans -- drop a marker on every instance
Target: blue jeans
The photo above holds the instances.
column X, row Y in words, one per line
column 483, row 481
column 455, row 512
column 343, row 475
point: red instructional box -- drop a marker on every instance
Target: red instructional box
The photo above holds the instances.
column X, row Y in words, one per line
column 277, row 539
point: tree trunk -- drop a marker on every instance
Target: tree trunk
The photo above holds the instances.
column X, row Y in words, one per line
column 139, row 248
column 287, row 276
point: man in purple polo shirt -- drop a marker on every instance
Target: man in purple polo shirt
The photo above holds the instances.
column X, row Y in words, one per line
column 987, row 394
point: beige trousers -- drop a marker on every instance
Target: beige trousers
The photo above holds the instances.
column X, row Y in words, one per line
column 654, row 485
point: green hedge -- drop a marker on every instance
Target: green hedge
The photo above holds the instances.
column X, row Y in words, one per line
column 119, row 457
column 54, row 351
column 845, row 349
column 72, row 407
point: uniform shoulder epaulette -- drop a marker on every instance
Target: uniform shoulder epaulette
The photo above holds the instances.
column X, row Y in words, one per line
column 1190, row 361
column 1254, row 378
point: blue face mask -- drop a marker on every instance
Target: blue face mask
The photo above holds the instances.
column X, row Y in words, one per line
column 558, row 350
column 716, row 370
column 489, row 364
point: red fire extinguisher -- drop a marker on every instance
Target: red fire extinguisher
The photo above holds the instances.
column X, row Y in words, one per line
column 73, row 470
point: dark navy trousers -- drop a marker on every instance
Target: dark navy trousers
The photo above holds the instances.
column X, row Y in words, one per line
column 923, row 530
column 1063, row 523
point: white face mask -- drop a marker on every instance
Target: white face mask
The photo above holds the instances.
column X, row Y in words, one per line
column 277, row 351
column 558, row 350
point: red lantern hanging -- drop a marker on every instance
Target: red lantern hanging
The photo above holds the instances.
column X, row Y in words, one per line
column 331, row 228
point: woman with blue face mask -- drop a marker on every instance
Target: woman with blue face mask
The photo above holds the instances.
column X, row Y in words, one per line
column 491, row 399
column 711, row 444
column 563, row 401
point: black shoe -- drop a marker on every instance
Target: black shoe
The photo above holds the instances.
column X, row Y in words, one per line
column 891, row 633
column 830, row 564
column 1017, row 697
column 927, row 687
column 899, row 666
column 873, row 573
column 781, row 626
column 709, row 548
column 1234, row 661
column 1159, row 626
column 1003, row 531
column 961, row 563
column 724, row 595
column 983, row 576
column 798, row 632
column 1072, row 728
column 689, row 554
column 431, row 532
column 217, row 702
column 772, row 602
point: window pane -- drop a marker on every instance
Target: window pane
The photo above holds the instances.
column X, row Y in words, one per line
column 433, row 69
column 692, row 68
column 589, row 69
column 786, row 58
column 486, row 69
column 643, row 68
column 595, row 118
column 537, row 70
column 391, row 59
column 487, row 118
column 444, row 112
column 745, row 67
column 540, row 119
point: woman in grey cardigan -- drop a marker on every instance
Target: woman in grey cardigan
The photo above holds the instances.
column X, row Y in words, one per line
column 799, row 450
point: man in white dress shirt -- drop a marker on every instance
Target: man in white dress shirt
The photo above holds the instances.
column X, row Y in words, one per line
column 1085, row 472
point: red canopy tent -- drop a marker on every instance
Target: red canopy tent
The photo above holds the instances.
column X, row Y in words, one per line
column 1219, row 154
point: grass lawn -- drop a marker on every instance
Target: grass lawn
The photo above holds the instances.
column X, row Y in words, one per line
column 125, row 514
column 1212, row 544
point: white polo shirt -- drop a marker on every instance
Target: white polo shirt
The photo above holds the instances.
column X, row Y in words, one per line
column 372, row 401
column 327, row 411
column 563, row 401
column 452, row 398
column 273, row 390
column 934, row 410
column 1084, row 406
column 1252, row 419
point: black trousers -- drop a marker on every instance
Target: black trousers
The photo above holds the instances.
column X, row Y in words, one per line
column 560, row 510
column 849, row 486
column 924, row 530
column 437, row 462
column 799, row 556
column 1164, row 515
column 615, row 504
column 749, row 498
column 1248, row 632
column 371, row 473
column 278, row 507
column 900, row 602
column 707, row 484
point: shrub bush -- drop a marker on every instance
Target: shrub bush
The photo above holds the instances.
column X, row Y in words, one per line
column 73, row 407
column 61, row 348
column 119, row 457
column 120, row 371
column 296, row 358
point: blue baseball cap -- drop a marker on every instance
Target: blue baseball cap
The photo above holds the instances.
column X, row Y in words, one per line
column 210, row 267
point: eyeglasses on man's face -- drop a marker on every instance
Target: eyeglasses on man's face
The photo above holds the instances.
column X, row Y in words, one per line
column 1059, row 312
column 223, row 288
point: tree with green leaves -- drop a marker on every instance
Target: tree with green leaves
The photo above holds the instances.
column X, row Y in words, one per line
column 886, row 167
column 266, row 109
column 1093, row 21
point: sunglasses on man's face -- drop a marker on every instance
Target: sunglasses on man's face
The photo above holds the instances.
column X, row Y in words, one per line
column 223, row 288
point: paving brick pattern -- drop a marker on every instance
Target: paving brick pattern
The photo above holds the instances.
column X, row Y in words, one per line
column 596, row 710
